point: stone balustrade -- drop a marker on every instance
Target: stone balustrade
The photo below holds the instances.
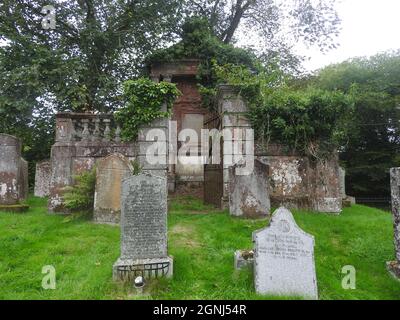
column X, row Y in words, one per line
column 87, row 127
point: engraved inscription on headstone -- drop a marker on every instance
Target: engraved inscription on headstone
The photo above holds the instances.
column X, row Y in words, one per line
column 144, row 221
column 284, row 259
column 109, row 175
column 143, row 229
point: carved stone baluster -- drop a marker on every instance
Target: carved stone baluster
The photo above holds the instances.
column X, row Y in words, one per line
column 85, row 132
column 117, row 138
column 107, row 130
column 96, row 132
column 73, row 131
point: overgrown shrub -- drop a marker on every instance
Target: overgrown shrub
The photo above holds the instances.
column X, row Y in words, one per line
column 80, row 196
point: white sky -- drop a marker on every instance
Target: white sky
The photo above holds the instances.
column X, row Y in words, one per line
column 368, row 27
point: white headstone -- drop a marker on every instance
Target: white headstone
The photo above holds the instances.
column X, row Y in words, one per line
column 284, row 259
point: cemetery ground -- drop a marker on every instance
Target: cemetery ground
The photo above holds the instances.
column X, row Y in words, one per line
column 202, row 241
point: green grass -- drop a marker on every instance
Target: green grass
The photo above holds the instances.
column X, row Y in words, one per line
column 202, row 241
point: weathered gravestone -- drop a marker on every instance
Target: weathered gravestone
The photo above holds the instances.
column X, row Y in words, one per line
column 23, row 179
column 109, row 174
column 143, row 229
column 394, row 267
column 42, row 179
column 249, row 194
column 342, row 181
column 10, row 158
column 284, row 259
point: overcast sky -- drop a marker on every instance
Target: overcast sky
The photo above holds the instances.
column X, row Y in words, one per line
column 368, row 27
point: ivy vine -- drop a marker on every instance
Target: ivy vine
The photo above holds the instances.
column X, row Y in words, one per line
column 144, row 102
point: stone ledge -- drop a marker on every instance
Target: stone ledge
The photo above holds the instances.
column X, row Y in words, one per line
column 128, row 269
column 17, row 208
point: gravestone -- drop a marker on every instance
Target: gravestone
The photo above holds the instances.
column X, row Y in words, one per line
column 143, row 229
column 10, row 162
column 249, row 194
column 23, row 179
column 109, row 174
column 394, row 267
column 342, row 181
column 284, row 259
column 42, row 179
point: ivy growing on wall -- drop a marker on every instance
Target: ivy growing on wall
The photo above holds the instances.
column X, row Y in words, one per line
column 310, row 120
column 144, row 102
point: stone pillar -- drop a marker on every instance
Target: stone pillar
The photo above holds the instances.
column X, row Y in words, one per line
column 10, row 159
column 61, row 175
column 152, row 152
column 235, row 127
column 62, row 153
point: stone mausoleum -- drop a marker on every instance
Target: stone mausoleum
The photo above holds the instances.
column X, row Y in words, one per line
column 294, row 180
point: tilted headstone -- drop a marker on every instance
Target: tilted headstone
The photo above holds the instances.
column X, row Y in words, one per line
column 394, row 267
column 143, row 229
column 109, row 175
column 10, row 159
column 249, row 194
column 284, row 259
column 23, row 179
column 42, row 179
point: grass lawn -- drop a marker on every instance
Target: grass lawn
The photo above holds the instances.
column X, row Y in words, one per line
column 202, row 241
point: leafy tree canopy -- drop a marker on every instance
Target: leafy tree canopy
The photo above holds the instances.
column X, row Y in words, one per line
column 373, row 144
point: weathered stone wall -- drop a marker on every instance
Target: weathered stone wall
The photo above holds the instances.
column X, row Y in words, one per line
column 84, row 139
column 81, row 140
column 42, row 179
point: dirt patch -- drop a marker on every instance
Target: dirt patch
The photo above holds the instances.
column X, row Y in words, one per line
column 184, row 236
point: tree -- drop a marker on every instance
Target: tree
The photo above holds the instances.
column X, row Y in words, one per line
column 80, row 63
column 278, row 24
column 77, row 64
column 373, row 146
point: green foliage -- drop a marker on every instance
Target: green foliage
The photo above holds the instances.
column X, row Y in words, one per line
column 82, row 253
column 136, row 167
column 144, row 101
column 373, row 144
column 199, row 42
column 80, row 196
column 311, row 121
